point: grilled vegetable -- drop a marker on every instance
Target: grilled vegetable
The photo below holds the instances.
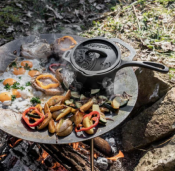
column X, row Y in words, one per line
column 33, row 115
column 78, row 118
column 38, row 121
column 121, row 100
column 56, row 108
column 108, row 106
column 56, row 113
column 87, row 123
column 64, row 113
column 64, row 127
column 54, row 100
column 82, row 97
column 69, row 102
column 115, row 104
column 65, row 84
column 78, row 104
column 67, row 95
column 103, row 109
column 73, row 110
column 75, row 95
column 104, row 98
column 86, row 106
column 47, row 119
column 102, row 116
column 94, row 91
column 51, row 126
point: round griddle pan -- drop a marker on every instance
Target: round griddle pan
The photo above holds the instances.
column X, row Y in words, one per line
column 11, row 122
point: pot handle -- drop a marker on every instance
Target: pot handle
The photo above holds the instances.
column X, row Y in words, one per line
column 66, row 55
column 126, row 45
column 151, row 65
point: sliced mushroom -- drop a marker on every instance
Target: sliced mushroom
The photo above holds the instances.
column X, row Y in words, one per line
column 48, row 85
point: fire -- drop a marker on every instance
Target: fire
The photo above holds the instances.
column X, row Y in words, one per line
column 79, row 147
column 119, row 155
column 44, row 155
column 15, row 143
column 3, row 155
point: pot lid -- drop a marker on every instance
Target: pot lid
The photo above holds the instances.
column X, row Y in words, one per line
column 95, row 56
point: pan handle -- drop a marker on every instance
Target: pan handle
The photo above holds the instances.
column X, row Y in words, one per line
column 126, row 45
column 66, row 55
column 151, row 65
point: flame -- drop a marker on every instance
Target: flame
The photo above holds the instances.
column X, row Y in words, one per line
column 15, row 143
column 119, row 155
column 76, row 147
column 44, row 155
column 3, row 155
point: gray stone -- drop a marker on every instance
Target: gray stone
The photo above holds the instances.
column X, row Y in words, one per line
column 151, row 86
column 159, row 159
column 111, row 141
column 152, row 124
column 102, row 163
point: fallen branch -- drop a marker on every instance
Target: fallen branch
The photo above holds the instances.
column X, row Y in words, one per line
column 136, row 16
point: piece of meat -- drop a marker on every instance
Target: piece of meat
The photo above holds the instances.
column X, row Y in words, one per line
column 39, row 48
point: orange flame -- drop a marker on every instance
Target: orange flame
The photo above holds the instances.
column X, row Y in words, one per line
column 119, row 155
column 15, row 143
column 3, row 155
column 75, row 145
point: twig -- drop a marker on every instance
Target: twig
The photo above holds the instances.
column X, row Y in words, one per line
column 171, row 29
column 136, row 16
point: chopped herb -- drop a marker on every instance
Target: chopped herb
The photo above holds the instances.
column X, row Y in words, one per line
column 13, row 64
column 15, row 85
column 28, row 83
column 22, row 88
column 19, row 77
column 13, row 97
column 1, row 81
column 7, row 86
column 35, row 100
column 27, row 67
column 35, row 69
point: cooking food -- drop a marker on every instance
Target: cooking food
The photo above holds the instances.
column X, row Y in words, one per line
column 44, row 98
column 37, row 49
column 63, row 44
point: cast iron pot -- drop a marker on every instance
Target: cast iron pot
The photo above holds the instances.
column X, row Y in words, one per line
column 98, row 59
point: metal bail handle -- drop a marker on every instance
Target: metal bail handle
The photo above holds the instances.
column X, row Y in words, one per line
column 126, row 45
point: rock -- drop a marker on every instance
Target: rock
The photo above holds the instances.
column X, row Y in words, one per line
column 111, row 141
column 117, row 166
column 151, row 86
column 152, row 124
column 160, row 159
column 102, row 163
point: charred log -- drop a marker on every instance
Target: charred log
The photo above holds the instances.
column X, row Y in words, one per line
column 68, row 157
